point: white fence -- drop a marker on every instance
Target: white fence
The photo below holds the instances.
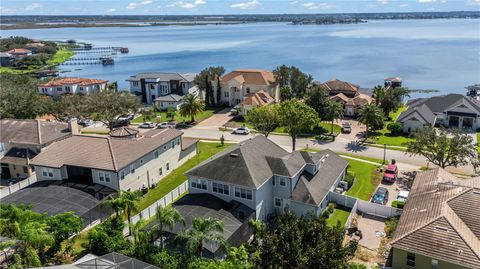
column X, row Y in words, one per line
column 149, row 212
column 17, row 186
column 377, row 209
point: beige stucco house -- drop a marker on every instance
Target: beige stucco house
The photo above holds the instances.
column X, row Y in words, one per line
column 63, row 86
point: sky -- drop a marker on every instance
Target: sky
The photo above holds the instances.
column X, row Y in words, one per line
column 199, row 7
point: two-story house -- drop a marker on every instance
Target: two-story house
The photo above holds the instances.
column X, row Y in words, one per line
column 150, row 86
column 129, row 163
column 62, row 86
column 238, row 85
column 263, row 176
column 21, row 140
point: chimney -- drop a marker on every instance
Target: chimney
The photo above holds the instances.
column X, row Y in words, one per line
column 73, row 127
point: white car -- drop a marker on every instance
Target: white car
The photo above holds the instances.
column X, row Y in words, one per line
column 402, row 196
column 147, row 124
column 241, row 130
column 164, row 125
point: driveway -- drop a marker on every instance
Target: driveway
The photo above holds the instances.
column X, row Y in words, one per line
column 357, row 130
column 373, row 230
column 216, row 121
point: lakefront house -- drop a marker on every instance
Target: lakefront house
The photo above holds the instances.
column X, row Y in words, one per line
column 63, row 86
column 266, row 178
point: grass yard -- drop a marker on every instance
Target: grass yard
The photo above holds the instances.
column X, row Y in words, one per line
column 177, row 176
column 338, row 215
column 79, row 244
column 205, row 114
column 385, row 137
column 324, row 127
column 62, row 55
column 478, row 142
column 371, row 159
column 367, row 179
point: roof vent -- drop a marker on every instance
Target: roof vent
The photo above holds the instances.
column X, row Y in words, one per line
column 441, row 228
column 328, row 155
column 423, row 210
column 476, row 192
column 234, row 155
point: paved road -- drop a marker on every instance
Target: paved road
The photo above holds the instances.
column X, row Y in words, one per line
column 342, row 145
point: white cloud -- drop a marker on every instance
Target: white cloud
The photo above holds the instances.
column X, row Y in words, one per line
column 473, row 2
column 200, row 2
column 311, row 5
column 426, row 1
column 134, row 5
column 247, row 5
column 111, row 10
column 33, row 6
column 293, row 2
column 382, row 2
column 403, row 5
column 188, row 5
column 6, row 10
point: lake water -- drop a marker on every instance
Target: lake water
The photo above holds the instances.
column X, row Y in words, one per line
column 427, row 54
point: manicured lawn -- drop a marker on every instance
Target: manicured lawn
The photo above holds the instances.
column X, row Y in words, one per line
column 177, row 176
column 375, row 160
column 478, row 142
column 366, row 179
column 325, row 127
column 338, row 215
column 385, row 137
column 62, row 55
column 205, row 114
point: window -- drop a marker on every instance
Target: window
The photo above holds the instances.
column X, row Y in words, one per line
column 107, row 177
column 101, row 177
column 67, row 88
column 226, row 94
column 25, row 169
column 165, row 147
column 243, row 193
column 273, row 181
column 132, row 168
column 122, row 174
column 173, row 144
column 81, row 88
column 199, row 184
column 220, row 188
column 160, row 171
column 168, row 166
column 152, row 86
column 135, row 83
column 282, row 182
column 248, row 90
column 156, row 154
column 59, row 89
column 47, row 172
column 434, row 264
column 277, row 202
column 411, row 259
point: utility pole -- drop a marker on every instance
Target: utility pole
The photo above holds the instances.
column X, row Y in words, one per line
column 384, row 152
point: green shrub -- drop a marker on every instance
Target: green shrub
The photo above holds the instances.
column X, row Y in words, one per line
column 349, row 178
column 354, row 265
column 395, row 128
column 398, row 204
column 391, row 226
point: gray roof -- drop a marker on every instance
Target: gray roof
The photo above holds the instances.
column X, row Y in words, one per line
column 188, row 77
column 244, row 164
column 428, row 107
column 18, row 156
column 33, row 132
column 311, row 189
column 107, row 261
column 169, row 98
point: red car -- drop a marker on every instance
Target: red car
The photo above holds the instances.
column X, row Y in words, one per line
column 390, row 174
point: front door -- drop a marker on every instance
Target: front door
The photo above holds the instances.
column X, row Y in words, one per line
column 467, row 123
column 453, row 121
column 5, row 174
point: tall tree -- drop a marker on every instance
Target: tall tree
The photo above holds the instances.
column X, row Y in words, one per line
column 115, row 203
column 62, row 226
column 445, row 148
column 391, row 99
column 68, row 106
column 378, row 94
column 297, row 117
column 258, row 228
column 106, row 106
column 333, row 111
column 206, row 230
column 264, row 118
column 19, row 98
column 370, row 115
column 317, row 98
column 202, row 80
column 129, row 205
column 294, row 78
column 216, row 72
column 167, row 217
column 191, row 106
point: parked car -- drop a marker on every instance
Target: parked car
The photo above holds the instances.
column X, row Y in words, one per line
column 85, row 122
column 147, row 124
column 380, row 196
column 241, row 130
column 127, row 117
column 182, row 125
column 120, row 123
column 390, row 174
column 166, row 124
column 346, row 128
column 402, row 196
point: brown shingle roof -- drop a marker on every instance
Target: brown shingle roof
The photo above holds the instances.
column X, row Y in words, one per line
column 102, row 152
column 336, row 86
column 72, row 81
column 440, row 219
column 251, row 76
column 259, row 98
column 35, row 132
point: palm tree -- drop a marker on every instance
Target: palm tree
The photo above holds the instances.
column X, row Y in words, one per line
column 206, row 230
column 258, row 228
column 216, row 73
column 370, row 115
column 191, row 106
column 115, row 203
column 166, row 218
column 129, row 205
column 334, row 110
column 378, row 94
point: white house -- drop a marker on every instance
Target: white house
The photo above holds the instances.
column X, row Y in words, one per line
column 62, row 86
column 168, row 101
column 118, row 163
column 263, row 176
column 451, row 111
column 150, row 86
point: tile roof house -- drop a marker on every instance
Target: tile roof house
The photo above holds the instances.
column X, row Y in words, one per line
column 21, row 140
column 347, row 94
column 237, row 85
column 252, row 100
column 62, row 86
column 152, row 85
column 19, row 53
column 439, row 225
column 267, row 178
column 118, row 163
column 451, row 110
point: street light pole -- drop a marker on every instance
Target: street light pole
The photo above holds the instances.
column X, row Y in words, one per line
column 384, row 152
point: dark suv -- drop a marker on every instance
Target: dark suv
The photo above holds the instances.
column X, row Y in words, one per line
column 380, row 196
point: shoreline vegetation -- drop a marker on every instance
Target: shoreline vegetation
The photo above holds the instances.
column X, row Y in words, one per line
column 39, row 22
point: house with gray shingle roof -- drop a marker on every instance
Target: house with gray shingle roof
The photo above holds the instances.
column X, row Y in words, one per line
column 439, row 226
column 450, row 111
column 267, row 178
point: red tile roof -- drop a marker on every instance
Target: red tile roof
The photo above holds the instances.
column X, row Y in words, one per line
column 259, row 98
column 19, row 51
column 72, row 81
column 251, row 76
